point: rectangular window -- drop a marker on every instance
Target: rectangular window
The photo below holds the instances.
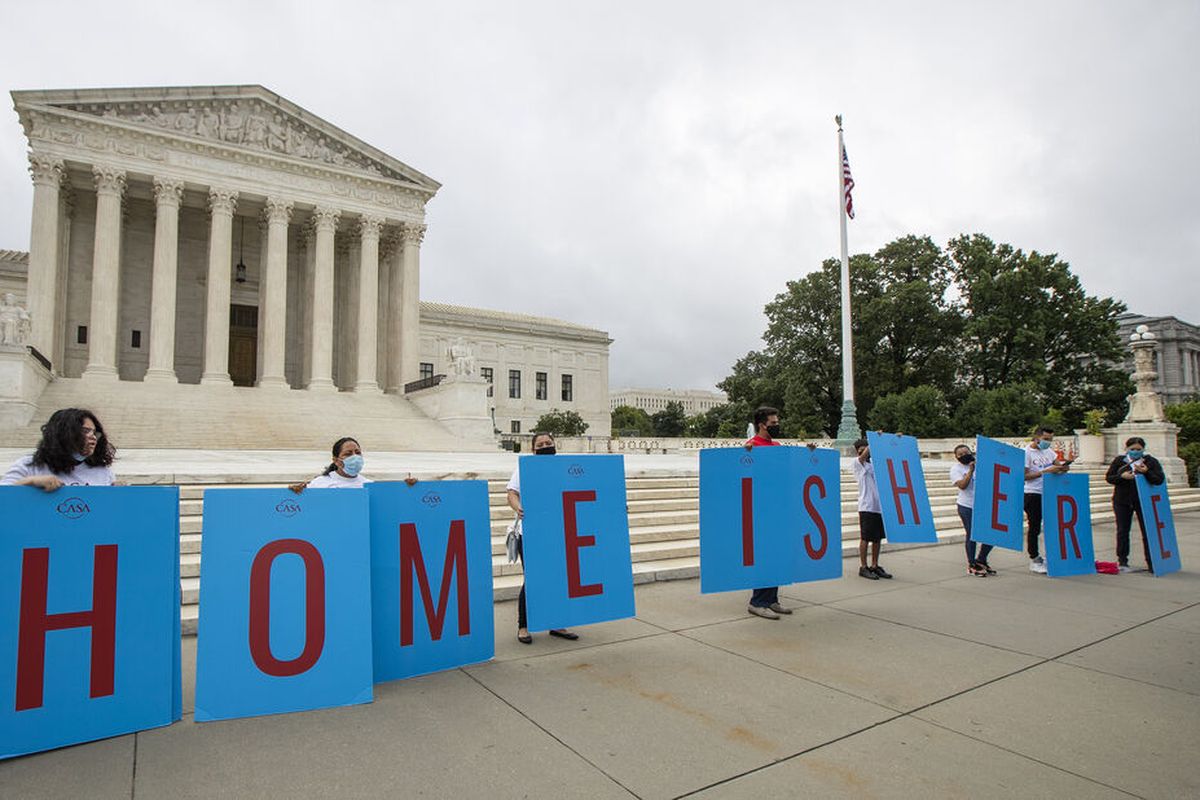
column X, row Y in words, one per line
column 514, row 384
column 487, row 374
column 540, row 385
column 136, row 339
column 81, row 334
column 515, row 426
column 426, row 370
column 568, row 389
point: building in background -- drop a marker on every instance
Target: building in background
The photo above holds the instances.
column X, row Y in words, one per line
column 694, row 401
column 1178, row 354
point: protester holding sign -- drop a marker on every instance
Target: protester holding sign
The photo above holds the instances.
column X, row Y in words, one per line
column 1122, row 474
column 1039, row 460
column 543, row 445
column 870, row 514
column 962, row 475
column 73, row 451
column 344, row 472
column 765, row 602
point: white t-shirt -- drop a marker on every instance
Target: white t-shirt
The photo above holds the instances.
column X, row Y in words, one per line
column 80, row 474
column 335, row 480
column 966, row 497
column 1038, row 459
column 514, row 483
column 868, row 491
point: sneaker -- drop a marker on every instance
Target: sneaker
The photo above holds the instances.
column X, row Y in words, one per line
column 1124, row 568
column 976, row 570
column 778, row 609
column 1038, row 565
column 986, row 567
column 868, row 573
column 765, row 613
column 881, row 572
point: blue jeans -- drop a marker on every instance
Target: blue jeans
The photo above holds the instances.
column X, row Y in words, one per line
column 965, row 514
column 765, row 598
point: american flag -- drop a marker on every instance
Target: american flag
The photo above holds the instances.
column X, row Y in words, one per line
column 847, row 183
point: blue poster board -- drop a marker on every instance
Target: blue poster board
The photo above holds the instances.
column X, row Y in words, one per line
column 578, row 568
column 431, row 577
column 748, row 518
column 819, row 481
column 1160, row 526
column 89, row 614
column 999, row 514
column 285, row 602
column 907, row 515
column 1067, row 514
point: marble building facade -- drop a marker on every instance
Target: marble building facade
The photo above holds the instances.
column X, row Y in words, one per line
column 226, row 236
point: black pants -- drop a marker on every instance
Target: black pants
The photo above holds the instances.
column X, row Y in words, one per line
column 764, row 598
column 966, row 514
column 1124, row 514
column 521, row 616
column 1033, row 511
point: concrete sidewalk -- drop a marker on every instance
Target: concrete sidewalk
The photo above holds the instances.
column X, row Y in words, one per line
column 931, row 685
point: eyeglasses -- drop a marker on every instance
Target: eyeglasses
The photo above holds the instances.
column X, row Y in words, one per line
column 90, row 433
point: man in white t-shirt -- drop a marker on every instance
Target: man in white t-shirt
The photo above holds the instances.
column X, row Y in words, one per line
column 1040, row 460
column 870, row 514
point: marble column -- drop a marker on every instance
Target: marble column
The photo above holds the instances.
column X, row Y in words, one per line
column 66, row 212
column 395, row 267
column 272, row 313
column 306, row 302
column 410, row 303
column 42, row 286
column 106, row 274
column 264, row 227
column 168, row 194
column 221, row 203
column 368, row 304
column 388, row 243
column 320, row 338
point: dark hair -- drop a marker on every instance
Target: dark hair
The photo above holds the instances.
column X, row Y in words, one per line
column 1043, row 429
column 966, row 446
column 62, row 438
column 1137, row 439
column 762, row 413
column 534, row 437
column 859, row 444
column 337, row 450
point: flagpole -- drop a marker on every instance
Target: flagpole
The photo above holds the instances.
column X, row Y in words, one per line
column 848, row 429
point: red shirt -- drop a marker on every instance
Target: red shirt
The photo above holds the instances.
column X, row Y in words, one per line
column 758, row 441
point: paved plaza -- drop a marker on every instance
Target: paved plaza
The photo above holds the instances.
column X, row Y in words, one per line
column 931, row 685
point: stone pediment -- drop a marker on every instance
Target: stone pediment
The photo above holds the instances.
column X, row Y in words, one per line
column 250, row 117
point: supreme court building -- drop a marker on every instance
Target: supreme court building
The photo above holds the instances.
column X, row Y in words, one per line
column 211, row 247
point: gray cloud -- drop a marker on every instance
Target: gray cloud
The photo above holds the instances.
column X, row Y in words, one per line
column 660, row 170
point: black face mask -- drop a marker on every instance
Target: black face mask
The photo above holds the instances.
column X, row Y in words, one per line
column 545, row 451
column 774, row 431
column 967, row 458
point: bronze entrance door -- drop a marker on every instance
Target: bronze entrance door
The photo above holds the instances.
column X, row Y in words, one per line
column 243, row 345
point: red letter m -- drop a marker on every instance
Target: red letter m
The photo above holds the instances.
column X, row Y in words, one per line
column 411, row 561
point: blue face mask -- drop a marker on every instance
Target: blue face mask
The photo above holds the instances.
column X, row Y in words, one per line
column 352, row 465
column 1043, row 444
column 1134, row 455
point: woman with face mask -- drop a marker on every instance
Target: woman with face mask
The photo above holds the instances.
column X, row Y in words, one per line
column 543, row 445
column 344, row 472
column 74, row 451
column 962, row 475
column 1122, row 474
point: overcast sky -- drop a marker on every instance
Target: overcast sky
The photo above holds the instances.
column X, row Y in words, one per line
column 659, row 170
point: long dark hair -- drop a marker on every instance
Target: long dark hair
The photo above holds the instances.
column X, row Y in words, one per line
column 62, row 438
column 337, row 449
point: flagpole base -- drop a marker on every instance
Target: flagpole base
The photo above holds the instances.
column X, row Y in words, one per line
column 848, row 430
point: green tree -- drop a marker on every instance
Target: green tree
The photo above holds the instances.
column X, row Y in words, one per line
column 630, row 421
column 1003, row 411
column 561, row 423
column 1029, row 321
column 1187, row 417
column 728, row 420
column 917, row 411
column 671, row 421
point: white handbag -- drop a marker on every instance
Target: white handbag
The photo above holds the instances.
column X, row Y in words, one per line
column 512, row 540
